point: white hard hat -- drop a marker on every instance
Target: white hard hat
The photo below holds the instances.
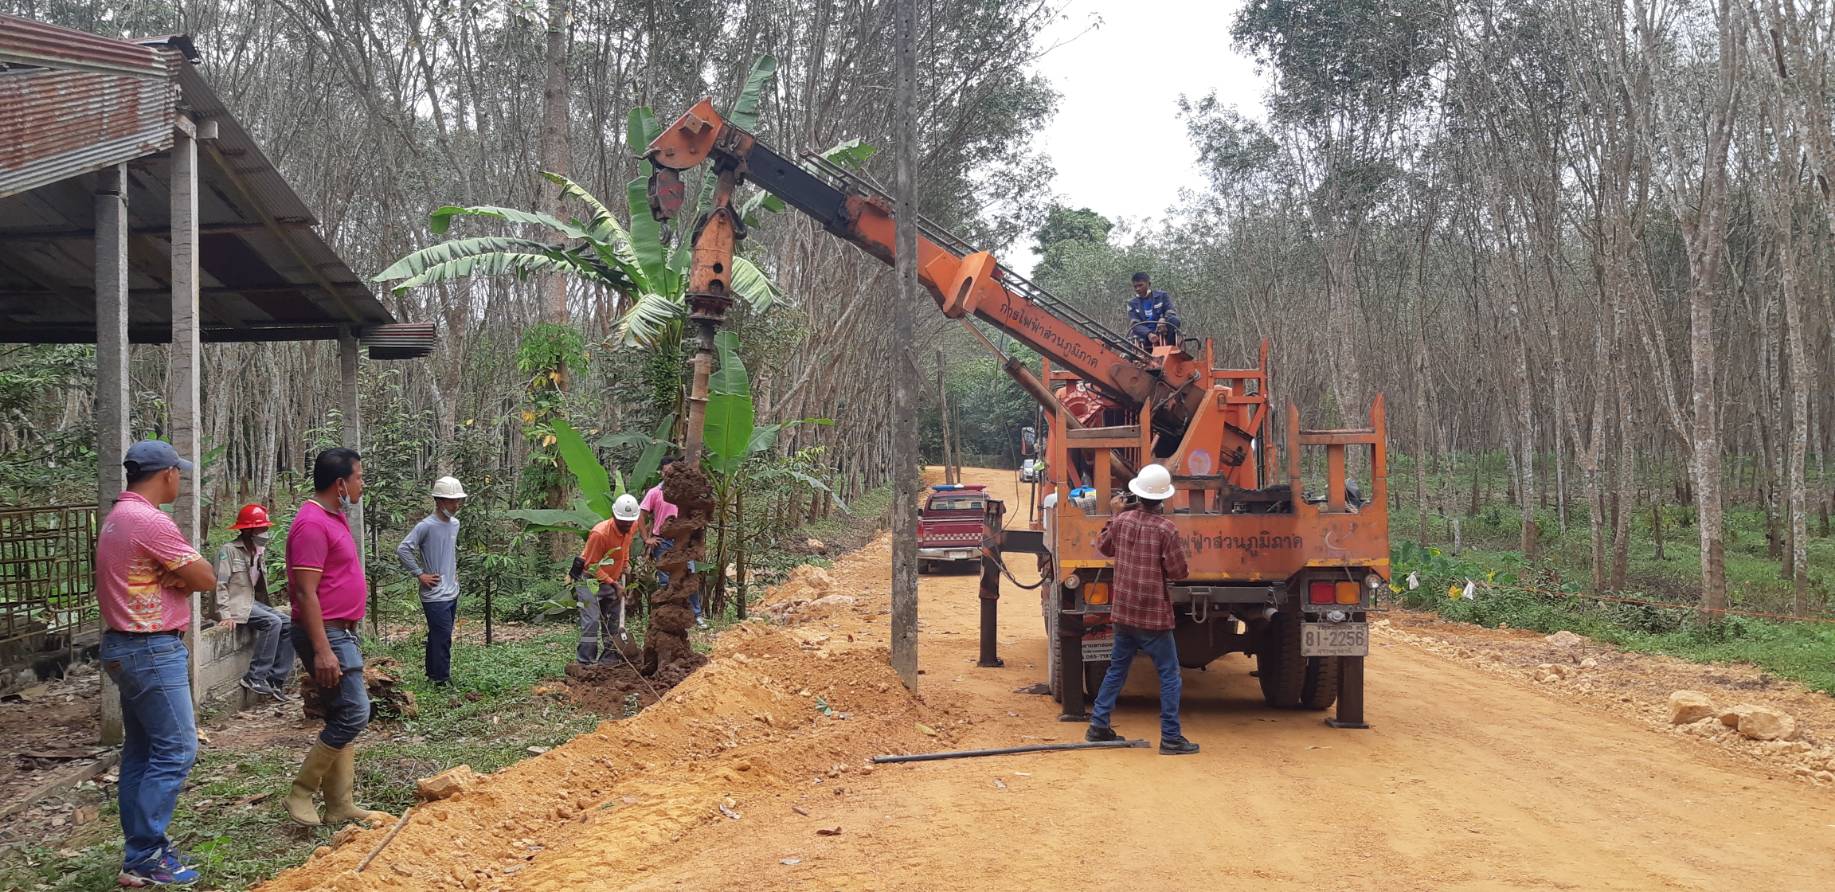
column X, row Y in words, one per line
column 1153, row 482
column 625, row 508
column 448, row 488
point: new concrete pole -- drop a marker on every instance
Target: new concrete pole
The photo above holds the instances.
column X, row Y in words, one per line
column 904, row 388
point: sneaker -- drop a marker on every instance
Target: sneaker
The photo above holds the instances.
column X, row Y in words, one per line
column 1099, row 735
column 167, row 871
column 1177, row 746
column 280, row 694
column 257, row 687
column 702, row 623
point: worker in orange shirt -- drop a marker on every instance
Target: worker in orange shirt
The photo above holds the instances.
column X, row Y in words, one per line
column 607, row 555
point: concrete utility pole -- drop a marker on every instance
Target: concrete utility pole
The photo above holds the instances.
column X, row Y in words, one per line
column 904, row 388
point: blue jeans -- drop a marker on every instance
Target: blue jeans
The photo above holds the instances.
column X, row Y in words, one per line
column 153, row 675
column 272, row 662
column 440, row 617
column 601, row 622
column 1158, row 645
column 347, row 707
column 662, row 579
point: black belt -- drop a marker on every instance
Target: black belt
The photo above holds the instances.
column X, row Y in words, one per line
column 145, row 634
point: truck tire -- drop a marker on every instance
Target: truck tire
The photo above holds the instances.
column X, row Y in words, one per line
column 923, row 567
column 1092, row 681
column 1290, row 681
column 1320, row 689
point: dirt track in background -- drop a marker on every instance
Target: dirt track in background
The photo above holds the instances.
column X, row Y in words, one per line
column 1475, row 776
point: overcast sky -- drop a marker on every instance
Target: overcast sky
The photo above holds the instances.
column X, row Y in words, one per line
column 1117, row 141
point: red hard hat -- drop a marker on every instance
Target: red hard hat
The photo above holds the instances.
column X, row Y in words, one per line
column 251, row 517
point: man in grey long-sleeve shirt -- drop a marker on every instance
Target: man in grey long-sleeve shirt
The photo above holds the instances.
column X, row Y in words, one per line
column 431, row 553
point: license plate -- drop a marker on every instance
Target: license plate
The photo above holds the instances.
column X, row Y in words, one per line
column 1334, row 639
column 1097, row 650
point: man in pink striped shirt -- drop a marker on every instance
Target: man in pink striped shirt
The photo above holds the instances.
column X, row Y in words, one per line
column 146, row 571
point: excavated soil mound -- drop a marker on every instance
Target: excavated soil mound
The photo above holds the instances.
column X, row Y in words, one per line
column 618, row 688
column 774, row 708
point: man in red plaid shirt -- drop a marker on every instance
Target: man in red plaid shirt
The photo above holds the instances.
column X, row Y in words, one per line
column 1148, row 553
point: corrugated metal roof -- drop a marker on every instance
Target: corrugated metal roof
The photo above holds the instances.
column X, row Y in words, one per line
column 26, row 42
column 264, row 272
column 264, row 182
column 56, row 124
column 402, row 340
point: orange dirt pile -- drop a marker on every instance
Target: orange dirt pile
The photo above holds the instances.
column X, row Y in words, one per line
column 774, row 707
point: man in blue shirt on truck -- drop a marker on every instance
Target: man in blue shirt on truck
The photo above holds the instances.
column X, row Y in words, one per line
column 1151, row 318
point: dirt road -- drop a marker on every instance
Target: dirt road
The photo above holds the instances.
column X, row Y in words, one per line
column 1470, row 779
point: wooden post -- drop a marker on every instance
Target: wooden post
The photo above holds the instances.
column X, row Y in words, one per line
column 352, row 426
column 111, row 404
column 904, row 424
column 182, row 382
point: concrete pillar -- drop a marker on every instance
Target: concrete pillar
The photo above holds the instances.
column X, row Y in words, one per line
column 111, row 405
column 352, row 418
column 182, row 382
column 182, row 389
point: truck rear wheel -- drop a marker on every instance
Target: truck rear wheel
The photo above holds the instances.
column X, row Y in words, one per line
column 1092, row 673
column 923, row 567
column 1092, row 680
column 1290, row 681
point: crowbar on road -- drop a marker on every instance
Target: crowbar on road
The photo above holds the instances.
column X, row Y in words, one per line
column 1010, row 750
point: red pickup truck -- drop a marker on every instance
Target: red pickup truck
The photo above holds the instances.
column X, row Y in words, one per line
column 951, row 523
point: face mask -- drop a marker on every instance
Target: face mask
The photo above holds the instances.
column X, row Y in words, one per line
column 262, row 538
column 345, row 502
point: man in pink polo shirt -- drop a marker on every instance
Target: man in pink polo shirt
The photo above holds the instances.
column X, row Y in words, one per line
column 145, row 573
column 325, row 582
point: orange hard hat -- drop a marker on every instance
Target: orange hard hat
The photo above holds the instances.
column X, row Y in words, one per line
column 251, row 517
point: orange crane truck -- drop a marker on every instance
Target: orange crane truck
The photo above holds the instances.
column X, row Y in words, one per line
column 1276, row 570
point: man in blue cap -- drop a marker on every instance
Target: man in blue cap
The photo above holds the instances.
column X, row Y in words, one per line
column 146, row 571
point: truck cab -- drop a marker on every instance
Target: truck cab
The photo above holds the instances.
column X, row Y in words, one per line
column 951, row 524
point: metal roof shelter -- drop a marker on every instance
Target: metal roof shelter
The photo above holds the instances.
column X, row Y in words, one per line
column 72, row 107
column 134, row 208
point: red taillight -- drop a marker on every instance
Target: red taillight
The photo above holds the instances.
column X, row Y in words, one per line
column 1320, row 593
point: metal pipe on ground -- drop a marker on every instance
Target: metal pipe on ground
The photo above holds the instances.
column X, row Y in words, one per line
column 1012, row 750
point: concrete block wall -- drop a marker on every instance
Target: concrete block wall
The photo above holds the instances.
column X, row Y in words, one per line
column 219, row 656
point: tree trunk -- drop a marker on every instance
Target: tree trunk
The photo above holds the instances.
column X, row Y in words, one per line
column 555, row 156
column 739, row 550
column 951, row 470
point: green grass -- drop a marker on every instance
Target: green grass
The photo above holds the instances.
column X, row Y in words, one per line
column 1514, row 590
column 1530, row 595
column 239, row 845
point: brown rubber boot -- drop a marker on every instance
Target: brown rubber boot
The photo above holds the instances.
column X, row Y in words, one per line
column 311, row 777
column 340, row 784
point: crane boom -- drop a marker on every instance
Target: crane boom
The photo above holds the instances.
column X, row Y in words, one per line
column 962, row 280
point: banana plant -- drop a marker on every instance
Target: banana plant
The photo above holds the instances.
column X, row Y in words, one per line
column 632, row 261
column 598, row 487
column 733, row 438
